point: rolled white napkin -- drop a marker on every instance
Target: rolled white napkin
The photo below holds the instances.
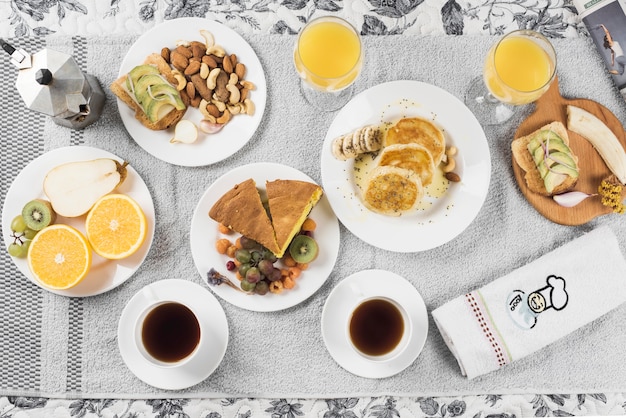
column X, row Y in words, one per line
column 534, row 305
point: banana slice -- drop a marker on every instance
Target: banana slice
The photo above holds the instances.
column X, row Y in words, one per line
column 601, row 137
column 351, row 145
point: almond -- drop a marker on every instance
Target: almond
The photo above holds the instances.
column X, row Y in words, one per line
column 192, row 68
column 208, row 60
column 240, row 70
column 179, row 61
column 227, row 65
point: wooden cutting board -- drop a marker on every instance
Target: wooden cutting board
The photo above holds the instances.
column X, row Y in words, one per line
column 552, row 107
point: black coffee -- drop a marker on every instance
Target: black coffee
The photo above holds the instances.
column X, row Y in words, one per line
column 170, row 332
column 376, row 327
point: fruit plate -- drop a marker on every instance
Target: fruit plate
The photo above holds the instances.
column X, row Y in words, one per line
column 204, row 234
column 104, row 275
column 552, row 107
column 209, row 148
column 445, row 217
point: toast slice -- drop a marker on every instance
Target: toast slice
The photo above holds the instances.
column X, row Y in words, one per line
column 242, row 210
column 523, row 157
column 290, row 202
column 165, row 121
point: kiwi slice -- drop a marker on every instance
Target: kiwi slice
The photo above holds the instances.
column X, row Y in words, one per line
column 303, row 249
column 38, row 214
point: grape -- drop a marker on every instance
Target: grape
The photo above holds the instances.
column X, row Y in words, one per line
column 247, row 286
column 256, row 256
column 18, row 224
column 243, row 269
column 261, row 288
column 253, row 275
column 230, row 265
column 265, row 267
column 29, row 233
column 17, row 250
column 268, row 255
column 243, row 256
column 248, row 244
column 274, row 275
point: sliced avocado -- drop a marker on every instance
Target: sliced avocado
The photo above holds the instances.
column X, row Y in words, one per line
column 141, row 85
column 553, row 179
column 543, row 137
column 540, row 161
column 562, row 158
column 137, row 73
column 562, row 169
column 156, row 90
column 156, row 109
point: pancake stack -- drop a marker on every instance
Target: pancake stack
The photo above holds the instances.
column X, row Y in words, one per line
column 410, row 151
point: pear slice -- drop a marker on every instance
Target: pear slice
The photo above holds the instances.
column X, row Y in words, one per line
column 74, row 187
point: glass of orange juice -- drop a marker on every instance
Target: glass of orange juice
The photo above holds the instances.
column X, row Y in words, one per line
column 518, row 69
column 328, row 58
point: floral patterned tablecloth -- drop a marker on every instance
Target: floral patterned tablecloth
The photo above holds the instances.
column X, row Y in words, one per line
column 554, row 18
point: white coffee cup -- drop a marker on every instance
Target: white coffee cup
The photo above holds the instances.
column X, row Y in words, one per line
column 168, row 333
column 378, row 328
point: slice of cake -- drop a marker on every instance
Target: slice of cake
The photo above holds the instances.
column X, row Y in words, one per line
column 241, row 210
column 290, row 202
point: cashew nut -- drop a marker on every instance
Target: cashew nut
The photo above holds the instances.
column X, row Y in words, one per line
column 234, row 93
column 209, row 41
column 221, row 106
column 449, row 166
column 236, row 108
column 202, row 107
column 451, row 150
column 180, row 79
column 224, row 118
column 204, row 70
column 211, row 80
column 248, row 84
column 234, row 78
column 182, row 42
column 249, row 107
column 216, row 50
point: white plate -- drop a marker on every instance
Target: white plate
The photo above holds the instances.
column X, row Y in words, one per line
column 204, row 234
column 449, row 214
column 208, row 149
column 213, row 326
column 104, row 274
column 337, row 310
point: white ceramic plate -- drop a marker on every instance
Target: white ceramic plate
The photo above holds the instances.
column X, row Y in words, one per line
column 449, row 214
column 104, row 274
column 204, row 234
column 208, row 149
column 338, row 308
column 213, row 328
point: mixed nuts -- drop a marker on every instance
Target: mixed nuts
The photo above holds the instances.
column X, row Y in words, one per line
column 210, row 79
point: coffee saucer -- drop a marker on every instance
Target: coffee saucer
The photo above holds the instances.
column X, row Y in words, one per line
column 338, row 308
column 213, row 326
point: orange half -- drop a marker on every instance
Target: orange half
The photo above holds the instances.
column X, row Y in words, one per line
column 116, row 226
column 59, row 256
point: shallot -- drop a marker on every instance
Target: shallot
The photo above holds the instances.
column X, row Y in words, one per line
column 571, row 199
column 185, row 132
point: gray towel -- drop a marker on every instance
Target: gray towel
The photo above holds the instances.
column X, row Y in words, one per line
column 282, row 354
